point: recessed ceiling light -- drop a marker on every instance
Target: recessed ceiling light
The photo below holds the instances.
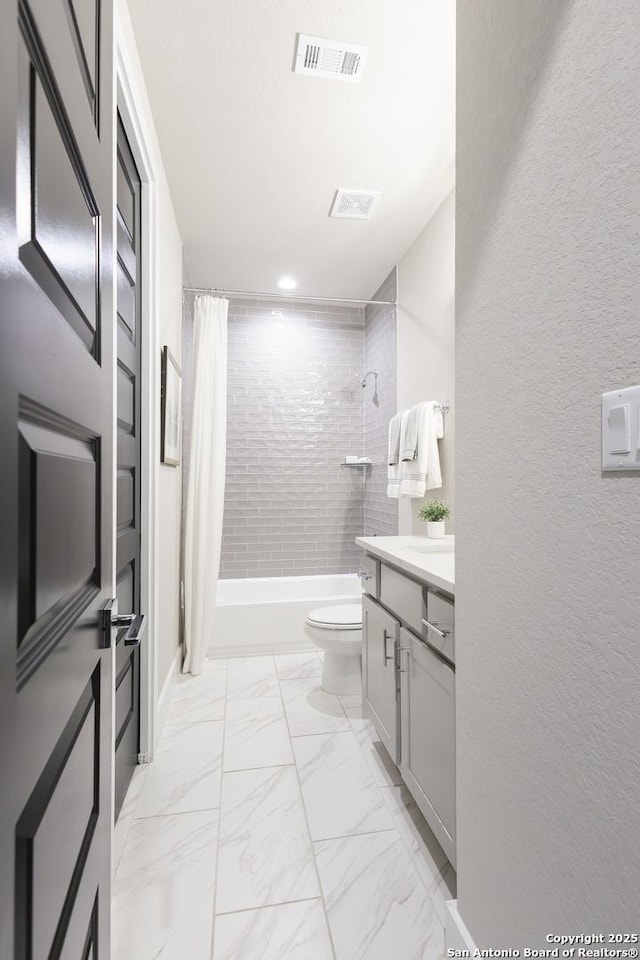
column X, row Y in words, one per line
column 287, row 283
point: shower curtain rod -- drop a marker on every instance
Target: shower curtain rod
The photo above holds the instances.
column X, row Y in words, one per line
column 283, row 296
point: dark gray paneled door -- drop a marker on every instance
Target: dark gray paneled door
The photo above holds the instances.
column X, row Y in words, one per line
column 129, row 333
column 56, row 477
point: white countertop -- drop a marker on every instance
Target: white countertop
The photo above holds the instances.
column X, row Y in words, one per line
column 430, row 560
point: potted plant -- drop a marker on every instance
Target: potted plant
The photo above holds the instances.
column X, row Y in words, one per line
column 434, row 512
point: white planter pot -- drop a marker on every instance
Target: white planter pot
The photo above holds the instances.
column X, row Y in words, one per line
column 435, row 529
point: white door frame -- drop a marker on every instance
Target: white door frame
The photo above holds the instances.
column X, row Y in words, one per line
column 135, row 128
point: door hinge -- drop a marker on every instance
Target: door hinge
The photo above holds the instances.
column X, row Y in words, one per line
column 143, row 758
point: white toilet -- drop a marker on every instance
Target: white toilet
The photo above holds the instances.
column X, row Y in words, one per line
column 338, row 632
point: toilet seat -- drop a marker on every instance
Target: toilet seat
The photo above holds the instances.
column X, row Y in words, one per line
column 345, row 617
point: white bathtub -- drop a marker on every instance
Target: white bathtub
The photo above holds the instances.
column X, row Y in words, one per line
column 267, row 614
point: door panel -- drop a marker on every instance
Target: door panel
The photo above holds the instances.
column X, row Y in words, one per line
column 83, row 20
column 53, row 204
column 379, row 675
column 77, row 59
column 429, row 736
column 58, row 491
column 128, row 461
column 54, row 832
column 56, row 485
column 59, row 198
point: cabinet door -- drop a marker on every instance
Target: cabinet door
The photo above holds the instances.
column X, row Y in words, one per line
column 380, row 633
column 428, row 736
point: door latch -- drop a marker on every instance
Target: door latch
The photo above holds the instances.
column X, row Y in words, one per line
column 112, row 620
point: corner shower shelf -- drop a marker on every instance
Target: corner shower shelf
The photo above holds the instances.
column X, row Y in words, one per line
column 362, row 462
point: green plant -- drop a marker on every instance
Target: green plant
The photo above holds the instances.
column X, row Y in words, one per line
column 434, row 510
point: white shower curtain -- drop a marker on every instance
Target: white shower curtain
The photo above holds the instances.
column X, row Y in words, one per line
column 205, row 490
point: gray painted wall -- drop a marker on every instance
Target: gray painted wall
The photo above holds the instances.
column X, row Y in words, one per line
column 380, row 513
column 295, row 412
column 548, row 549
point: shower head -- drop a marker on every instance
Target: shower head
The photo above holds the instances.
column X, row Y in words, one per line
column 363, row 380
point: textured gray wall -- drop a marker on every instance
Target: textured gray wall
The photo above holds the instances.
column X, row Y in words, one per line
column 295, row 412
column 548, row 549
column 380, row 513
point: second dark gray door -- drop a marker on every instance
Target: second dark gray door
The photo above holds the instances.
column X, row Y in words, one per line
column 129, row 337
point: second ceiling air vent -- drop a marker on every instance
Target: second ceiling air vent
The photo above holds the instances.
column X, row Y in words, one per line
column 331, row 59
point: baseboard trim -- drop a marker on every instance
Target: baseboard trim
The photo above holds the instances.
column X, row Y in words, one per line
column 457, row 937
column 167, row 690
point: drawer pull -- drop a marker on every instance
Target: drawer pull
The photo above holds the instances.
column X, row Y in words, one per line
column 388, row 658
column 364, row 576
column 443, row 634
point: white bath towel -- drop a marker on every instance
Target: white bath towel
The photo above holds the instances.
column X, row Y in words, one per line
column 423, row 473
column 394, row 470
column 394, row 439
column 409, row 446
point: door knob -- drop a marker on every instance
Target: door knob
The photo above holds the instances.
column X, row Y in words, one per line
column 112, row 620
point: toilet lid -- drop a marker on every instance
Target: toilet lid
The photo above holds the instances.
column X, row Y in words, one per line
column 345, row 617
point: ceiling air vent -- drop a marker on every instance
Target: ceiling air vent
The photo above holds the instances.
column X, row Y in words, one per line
column 330, row 59
column 354, row 204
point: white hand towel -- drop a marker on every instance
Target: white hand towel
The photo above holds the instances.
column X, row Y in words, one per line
column 409, row 446
column 394, row 470
column 394, row 439
column 436, row 432
column 423, row 473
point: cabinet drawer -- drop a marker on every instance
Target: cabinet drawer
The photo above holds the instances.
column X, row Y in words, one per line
column 403, row 596
column 369, row 573
column 440, row 614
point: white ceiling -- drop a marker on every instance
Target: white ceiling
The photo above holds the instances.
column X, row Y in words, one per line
column 254, row 153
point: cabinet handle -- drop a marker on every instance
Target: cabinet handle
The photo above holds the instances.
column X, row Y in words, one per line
column 387, row 658
column 364, row 576
column 443, row 634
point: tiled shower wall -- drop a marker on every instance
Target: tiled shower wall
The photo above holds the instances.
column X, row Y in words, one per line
column 294, row 413
column 380, row 513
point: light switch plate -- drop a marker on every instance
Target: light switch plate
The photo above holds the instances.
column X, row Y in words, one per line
column 621, row 429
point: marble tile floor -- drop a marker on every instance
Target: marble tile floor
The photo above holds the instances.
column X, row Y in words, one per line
column 273, row 826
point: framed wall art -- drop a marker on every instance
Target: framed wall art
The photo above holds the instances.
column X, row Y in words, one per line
column 170, row 409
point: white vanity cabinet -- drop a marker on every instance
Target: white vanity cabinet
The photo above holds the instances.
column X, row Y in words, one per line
column 408, row 676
